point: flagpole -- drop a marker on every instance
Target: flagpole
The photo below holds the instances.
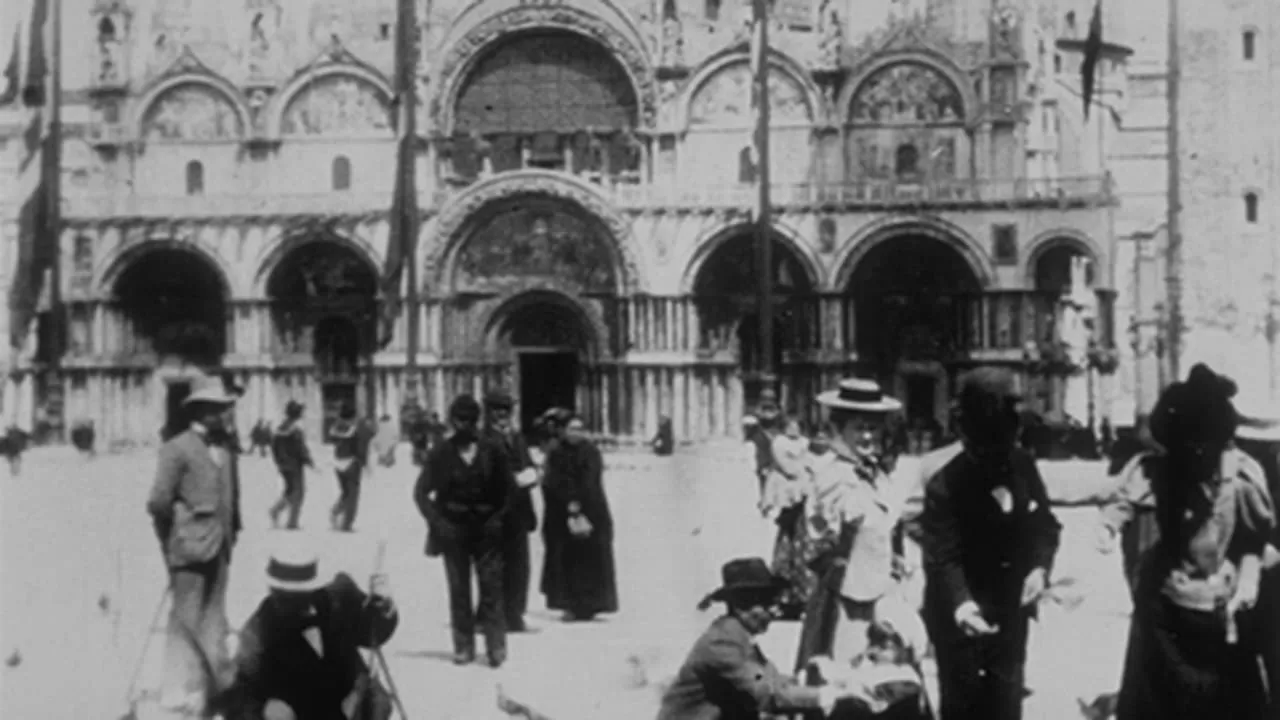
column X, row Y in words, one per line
column 406, row 28
column 1173, row 251
column 764, row 221
column 51, row 157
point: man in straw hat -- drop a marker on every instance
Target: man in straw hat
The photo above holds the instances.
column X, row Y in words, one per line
column 725, row 675
column 989, row 540
column 195, row 507
column 465, row 494
column 299, row 654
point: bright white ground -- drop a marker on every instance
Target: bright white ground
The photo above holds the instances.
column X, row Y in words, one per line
column 76, row 538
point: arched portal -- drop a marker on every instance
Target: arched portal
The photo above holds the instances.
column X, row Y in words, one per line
column 725, row 293
column 174, row 304
column 324, row 305
column 550, row 337
column 910, row 297
column 530, row 97
column 1054, row 271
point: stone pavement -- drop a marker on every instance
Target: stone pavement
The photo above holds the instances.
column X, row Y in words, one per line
column 82, row 578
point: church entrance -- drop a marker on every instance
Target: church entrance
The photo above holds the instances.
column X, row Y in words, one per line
column 548, row 378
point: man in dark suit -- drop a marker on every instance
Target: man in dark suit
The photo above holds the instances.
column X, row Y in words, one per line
column 299, row 654
column 465, row 494
column 498, row 405
column 195, row 507
column 725, row 676
column 989, row 539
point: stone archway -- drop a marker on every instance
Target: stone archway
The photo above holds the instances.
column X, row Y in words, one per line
column 1050, row 267
column 171, row 303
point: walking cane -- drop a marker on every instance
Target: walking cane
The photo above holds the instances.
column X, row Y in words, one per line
column 131, row 694
column 375, row 651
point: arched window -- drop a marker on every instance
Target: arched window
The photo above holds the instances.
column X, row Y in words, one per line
column 1251, row 207
column 1249, row 38
column 195, row 178
column 340, row 176
column 106, row 30
column 906, row 160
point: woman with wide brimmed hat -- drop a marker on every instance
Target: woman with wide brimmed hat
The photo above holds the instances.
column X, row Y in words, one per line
column 859, row 617
column 725, row 675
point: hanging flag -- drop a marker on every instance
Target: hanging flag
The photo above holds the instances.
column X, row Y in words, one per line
column 749, row 158
column 36, row 232
column 1092, row 53
column 404, row 200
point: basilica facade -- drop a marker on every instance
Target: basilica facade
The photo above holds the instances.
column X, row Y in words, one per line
column 586, row 234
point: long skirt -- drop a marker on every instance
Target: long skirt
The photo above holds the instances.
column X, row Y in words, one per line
column 1180, row 665
column 793, row 551
column 579, row 576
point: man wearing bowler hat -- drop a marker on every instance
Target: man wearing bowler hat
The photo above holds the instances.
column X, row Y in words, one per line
column 725, row 676
column 989, row 541
column 498, row 405
column 195, row 507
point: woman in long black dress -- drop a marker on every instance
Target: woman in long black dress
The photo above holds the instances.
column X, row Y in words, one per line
column 578, row 574
column 1193, row 650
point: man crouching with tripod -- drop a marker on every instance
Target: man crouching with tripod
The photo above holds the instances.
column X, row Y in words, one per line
column 299, row 656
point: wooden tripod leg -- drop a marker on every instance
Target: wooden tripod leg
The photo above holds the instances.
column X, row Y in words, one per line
column 391, row 683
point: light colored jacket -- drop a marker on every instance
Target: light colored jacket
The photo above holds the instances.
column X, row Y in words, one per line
column 195, row 500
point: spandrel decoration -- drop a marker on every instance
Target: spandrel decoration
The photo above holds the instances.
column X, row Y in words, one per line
column 536, row 242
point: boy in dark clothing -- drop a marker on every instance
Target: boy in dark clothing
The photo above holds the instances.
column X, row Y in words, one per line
column 289, row 449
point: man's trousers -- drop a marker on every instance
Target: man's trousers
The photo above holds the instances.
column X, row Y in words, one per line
column 344, row 510
column 461, row 556
column 295, row 489
column 195, row 642
column 982, row 678
column 515, row 577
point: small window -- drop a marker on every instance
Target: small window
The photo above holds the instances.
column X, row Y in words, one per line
column 341, row 173
column 1057, row 63
column 384, row 31
column 906, row 160
column 106, row 30
column 1249, row 38
column 1071, row 23
column 711, row 10
column 195, row 178
column 1251, row 208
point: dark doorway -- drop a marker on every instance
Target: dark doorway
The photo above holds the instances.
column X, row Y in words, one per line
column 921, row 397
column 334, row 396
column 175, row 417
column 547, row 379
column 175, row 303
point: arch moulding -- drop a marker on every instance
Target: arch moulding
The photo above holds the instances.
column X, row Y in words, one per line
column 930, row 58
column 275, row 250
column 1065, row 237
column 458, row 218
column 116, row 262
column 739, row 54
column 487, row 22
column 496, row 318
column 714, row 239
column 885, row 229
column 342, row 66
column 196, row 75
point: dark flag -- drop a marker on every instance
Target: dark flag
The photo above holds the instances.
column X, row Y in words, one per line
column 404, row 201
column 36, row 235
column 1092, row 53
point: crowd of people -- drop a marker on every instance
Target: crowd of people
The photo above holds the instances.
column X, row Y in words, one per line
column 1193, row 513
column 1194, row 508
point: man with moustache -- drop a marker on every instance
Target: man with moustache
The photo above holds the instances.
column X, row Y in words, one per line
column 465, row 494
column 498, row 405
column 989, row 540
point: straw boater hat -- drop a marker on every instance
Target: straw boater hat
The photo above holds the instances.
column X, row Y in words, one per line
column 859, row 395
column 208, row 389
column 1260, row 423
column 744, row 574
column 294, row 568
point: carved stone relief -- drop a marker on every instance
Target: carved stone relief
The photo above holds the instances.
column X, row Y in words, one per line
column 337, row 105
column 533, row 241
column 672, row 37
column 191, row 112
column 262, row 48
column 907, row 93
column 633, row 58
column 830, row 36
column 1005, row 26
column 725, row 98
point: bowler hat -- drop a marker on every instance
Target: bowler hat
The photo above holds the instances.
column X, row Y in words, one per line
column 499, row 399
column 208, row 389
column 464, row 407
column 293, row 409
column 744, row 575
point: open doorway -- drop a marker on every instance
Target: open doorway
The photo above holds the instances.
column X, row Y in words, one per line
column 334, row 396
column 547, row 379
column 175, row 417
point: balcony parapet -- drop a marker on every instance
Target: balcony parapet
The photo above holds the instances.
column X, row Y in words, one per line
column 81, row 208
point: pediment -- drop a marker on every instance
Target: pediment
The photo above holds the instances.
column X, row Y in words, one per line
column 335, row 54
column 187, row 63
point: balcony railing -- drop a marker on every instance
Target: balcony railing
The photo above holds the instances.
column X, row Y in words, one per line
column 867, row 194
